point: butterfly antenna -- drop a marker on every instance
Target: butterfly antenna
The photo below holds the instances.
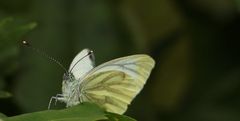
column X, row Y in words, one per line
column 25, row 43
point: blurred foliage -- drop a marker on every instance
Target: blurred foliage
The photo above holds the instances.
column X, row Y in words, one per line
column 2, row 116
column 11, row 31
column 4, row 94
column 83, row 112
column 195, row 45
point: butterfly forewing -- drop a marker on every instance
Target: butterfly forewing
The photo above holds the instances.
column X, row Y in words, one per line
column 113, row 85
column 82, row 63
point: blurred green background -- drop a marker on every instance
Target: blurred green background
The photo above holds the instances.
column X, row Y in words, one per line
column 195, row 44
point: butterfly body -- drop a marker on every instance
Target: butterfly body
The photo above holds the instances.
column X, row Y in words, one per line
column 69, row 86
column 111, row 85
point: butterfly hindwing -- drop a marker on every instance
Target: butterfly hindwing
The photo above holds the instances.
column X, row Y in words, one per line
column 114, row 84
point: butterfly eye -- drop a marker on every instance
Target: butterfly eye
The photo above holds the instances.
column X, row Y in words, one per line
column 70, row 77
column 65, row 76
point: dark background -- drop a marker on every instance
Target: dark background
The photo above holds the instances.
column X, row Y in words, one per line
column 195, row 44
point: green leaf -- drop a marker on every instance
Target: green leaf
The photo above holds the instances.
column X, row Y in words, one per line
column 116, row 117
column 4, row 94
column 82, row 112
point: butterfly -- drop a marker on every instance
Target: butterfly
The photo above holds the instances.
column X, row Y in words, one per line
column 112, row 85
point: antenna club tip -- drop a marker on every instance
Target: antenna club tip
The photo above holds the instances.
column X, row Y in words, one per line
column 24, row 42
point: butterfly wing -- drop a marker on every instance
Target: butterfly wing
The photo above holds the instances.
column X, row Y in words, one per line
column 82, row 63
column 113, row 85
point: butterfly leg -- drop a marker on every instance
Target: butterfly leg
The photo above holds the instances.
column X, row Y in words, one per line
column 79, row 94
column 50, row 102
column 56, row 98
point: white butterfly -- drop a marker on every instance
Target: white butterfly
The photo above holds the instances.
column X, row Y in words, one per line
column 111, row 85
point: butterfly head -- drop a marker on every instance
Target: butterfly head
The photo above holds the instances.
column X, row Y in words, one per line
column 68, row 77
